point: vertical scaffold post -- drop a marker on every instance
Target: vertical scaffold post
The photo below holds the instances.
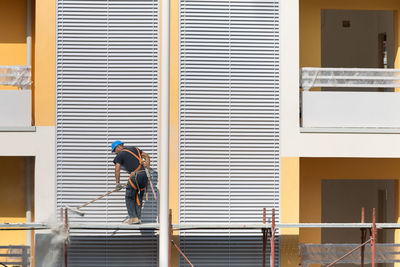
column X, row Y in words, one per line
column 373, row 241
column 362, row 237
column 169, row 237
column 264, row 236
column 272, row 263
column 66, row 232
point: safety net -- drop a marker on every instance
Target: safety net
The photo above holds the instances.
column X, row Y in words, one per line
column 349, row 77
column 327, row 253
column 19, row 76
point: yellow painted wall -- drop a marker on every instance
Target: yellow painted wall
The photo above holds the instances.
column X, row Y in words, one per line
column 310, row 25
column 313, row 170
column 13, row 198
column 290, row 210
column 13, row 51
column 45, row 58
column 174, row 122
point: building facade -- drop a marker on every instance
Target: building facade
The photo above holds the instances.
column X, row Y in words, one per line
column 243, row 136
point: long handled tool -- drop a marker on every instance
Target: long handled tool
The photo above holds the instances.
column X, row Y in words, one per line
column 151, row 184
column 81, row 213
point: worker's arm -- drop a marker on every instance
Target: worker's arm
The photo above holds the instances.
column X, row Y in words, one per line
column 147, row 159
column 117, row 172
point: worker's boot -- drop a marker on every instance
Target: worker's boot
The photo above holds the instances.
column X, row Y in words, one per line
column 134, row 220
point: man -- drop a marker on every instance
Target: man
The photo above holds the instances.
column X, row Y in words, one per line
column 130, row 158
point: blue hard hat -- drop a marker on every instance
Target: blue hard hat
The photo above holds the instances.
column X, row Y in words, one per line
column 115, row 144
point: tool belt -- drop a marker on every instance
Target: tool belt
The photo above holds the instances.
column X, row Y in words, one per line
column 135, row 185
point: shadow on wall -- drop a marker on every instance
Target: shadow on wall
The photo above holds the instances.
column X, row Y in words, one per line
column 13, row 21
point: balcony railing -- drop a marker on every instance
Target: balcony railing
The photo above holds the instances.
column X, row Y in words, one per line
column 15, row 103
column 342, row 107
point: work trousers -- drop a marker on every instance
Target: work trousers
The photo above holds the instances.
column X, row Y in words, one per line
column 133, row 196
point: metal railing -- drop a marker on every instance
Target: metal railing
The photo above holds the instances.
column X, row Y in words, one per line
column 349, row 77
column 19, row 76
column 15, row 256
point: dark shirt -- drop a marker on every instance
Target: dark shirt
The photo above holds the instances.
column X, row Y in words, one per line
column 128, row 161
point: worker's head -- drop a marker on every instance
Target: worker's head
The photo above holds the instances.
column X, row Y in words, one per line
column 117, row 146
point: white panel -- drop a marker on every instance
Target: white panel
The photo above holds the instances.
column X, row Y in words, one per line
column 351, row 109
column 107, row 89
column 15, row 108
column 229, row 125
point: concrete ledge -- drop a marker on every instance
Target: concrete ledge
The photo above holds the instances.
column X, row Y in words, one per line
column 349, row 130
column 18, row 129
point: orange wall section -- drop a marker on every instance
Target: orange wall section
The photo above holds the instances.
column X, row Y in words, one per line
column 45, row 63
column 310, row 25
column 314, row 170
column 174, row 122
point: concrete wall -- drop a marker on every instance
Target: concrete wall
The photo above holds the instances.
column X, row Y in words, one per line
column 41, row 145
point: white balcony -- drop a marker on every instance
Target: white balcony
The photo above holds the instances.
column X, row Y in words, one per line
column 371, row 105
column 16, row 102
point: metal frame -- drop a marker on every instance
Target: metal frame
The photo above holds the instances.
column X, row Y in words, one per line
column 268, row 231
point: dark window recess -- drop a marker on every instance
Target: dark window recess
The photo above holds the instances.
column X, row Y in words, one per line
column 346, row 23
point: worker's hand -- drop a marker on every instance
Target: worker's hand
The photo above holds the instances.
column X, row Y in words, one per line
column 118, row 186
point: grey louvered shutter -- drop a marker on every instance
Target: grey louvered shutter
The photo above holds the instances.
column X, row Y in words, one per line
column 107, row 89
column 229, row 126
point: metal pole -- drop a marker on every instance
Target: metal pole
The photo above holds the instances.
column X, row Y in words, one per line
column 273, row 239
column 164, row 25
column 363, row 236
column 264, row 236
column 348, row 253
column 373, row 241
column 183, row 255
column 170, row 238
column 28, row 212
column 65, row 243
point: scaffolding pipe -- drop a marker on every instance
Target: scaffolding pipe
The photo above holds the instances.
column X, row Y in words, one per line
column 363, row 236
column 273, row 239
column 28, row 203
column 373, row 241
column 66, row 242
column 180, row 252
column 264, row 237
column 163, row 143
column 170, row 238
column 348, row 253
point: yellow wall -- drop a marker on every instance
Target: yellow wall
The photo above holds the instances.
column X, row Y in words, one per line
column 310, row 25
column 13, row 51
column 45, row 68
column 290, row 210
column 313, row 170
column 174, row 122
column 13, row 198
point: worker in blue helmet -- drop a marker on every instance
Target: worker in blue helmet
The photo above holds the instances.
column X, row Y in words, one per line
column 131, row 159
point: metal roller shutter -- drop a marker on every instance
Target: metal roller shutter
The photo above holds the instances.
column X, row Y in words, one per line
column 107, row 89
column 229, row 126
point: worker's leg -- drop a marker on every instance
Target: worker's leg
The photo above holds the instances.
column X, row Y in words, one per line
column 130, row 201
column 142, row 181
